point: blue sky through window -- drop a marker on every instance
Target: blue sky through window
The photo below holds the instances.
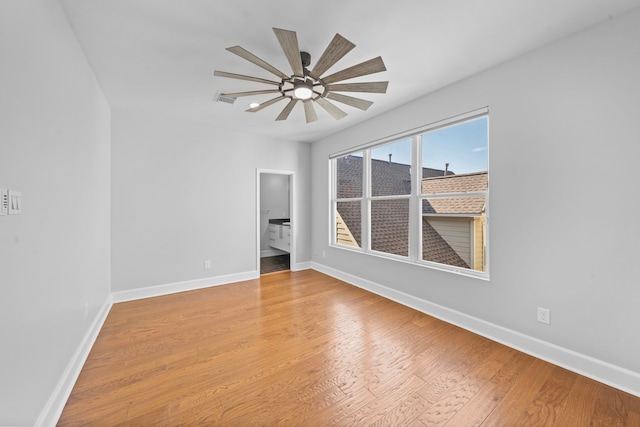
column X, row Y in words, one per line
column 463, row 145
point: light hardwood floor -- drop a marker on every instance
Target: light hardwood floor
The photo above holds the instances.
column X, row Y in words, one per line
column 306, row 349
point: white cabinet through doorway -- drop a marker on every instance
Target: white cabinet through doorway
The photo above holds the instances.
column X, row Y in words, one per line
column 280, row 237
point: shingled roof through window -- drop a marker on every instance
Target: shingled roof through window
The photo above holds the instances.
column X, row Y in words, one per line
column 390, row 226
column 463, row 183
column 387, row 177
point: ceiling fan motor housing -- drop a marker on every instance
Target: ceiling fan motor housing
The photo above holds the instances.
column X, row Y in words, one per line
column 306, row 59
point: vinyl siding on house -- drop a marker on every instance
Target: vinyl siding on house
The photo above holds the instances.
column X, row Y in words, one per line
column 343, row 234
column 478, row 243
column 457, row 232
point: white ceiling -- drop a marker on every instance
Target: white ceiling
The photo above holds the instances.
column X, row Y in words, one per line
column 159, row 55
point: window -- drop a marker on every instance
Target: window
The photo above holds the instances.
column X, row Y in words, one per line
column 454, row 201
column 389, row 197
column 421, row 197
column 348, row 189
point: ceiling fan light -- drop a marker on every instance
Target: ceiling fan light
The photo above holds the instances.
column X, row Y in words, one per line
column 302, row 90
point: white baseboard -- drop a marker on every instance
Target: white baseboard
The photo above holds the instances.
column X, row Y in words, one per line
column 53, row 408
column 189, row 285
column 299, row 266
column 604, row 372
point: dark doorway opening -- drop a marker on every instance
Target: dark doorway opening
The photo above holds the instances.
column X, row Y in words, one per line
column 272, row 264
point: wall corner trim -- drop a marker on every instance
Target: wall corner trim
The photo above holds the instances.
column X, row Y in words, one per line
column 189, row 285
column 57, row 400
column 599, row 370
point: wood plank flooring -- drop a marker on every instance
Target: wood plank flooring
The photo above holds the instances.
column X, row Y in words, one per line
column 304, row 349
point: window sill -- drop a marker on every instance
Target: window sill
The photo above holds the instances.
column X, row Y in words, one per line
column 482, row 275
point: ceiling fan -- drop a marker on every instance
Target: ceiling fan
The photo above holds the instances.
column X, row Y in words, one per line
column 308, row 86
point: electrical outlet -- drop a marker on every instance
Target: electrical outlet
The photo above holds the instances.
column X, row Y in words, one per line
column 207, row 264
column 544, row 315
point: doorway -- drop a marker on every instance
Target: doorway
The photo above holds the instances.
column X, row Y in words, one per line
column 275, row 221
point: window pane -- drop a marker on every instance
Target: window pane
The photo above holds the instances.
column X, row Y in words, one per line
column 453, row 231
column 457, row 150
column 391, row 169
column 349, row 176
column 348, row 221
column 390, row 226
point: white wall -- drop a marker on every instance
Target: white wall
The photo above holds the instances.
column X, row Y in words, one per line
column 184, row 192
column 54, row 258
column 564, row 137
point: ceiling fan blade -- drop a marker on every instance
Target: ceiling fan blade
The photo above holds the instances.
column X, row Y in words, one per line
column 251, row 92
column 245, row 54
column 371, row 66
column 289, row 43
column 309, row 111
column 287, row 110
column 265, row 104
column 338, row 48
column 362, row 104
column 243, row 77
column 372, row 87
column 331, row 109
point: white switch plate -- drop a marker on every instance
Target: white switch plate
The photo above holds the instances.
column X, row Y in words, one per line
column 4, row 201
column 15, row 202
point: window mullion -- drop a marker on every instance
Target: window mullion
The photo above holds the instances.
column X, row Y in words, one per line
column 414, row 224
column 417, row 208
column 333, row 172
column 365, row 209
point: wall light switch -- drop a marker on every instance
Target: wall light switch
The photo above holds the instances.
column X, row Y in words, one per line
column 4, row 201
column 15, row 202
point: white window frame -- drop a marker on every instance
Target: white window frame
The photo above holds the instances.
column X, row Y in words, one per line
column 415, row 198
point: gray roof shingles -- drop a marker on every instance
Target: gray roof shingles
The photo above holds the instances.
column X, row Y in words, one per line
column 390, row 218
column 463, row 183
